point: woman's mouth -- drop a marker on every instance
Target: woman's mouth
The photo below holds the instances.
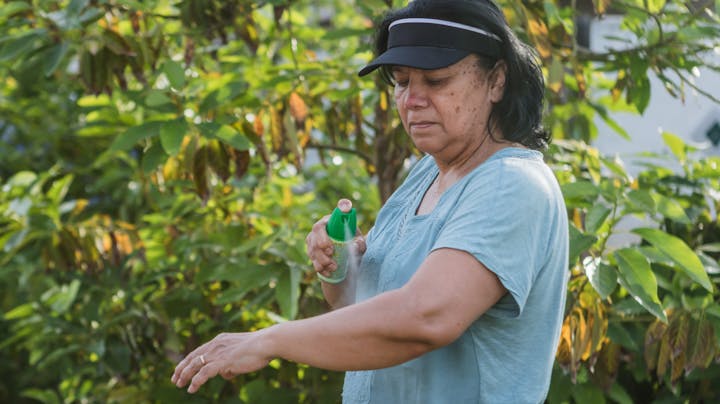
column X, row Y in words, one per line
column 420, row 124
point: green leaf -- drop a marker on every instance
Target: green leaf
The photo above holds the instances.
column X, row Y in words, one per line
column 580, row 190
column 670, row 208
column 712, row 266
column 595, row 217
column 175, row 74
column 677, row 251
column 287, row 292
column 619, row 334
column 172, row 134
column 610, row 122
column 22, row 179
column 247, row 278
column 224, row 133
column 91, row 15
column 676, row 145
column 131, row 136
column 642, row 200
column 237, row 272
column 156, row 98
column 638, row 278
column 12, row 240
column 61, row 300
column 579, row 243
column 588, row 393
column 22, row 311
column 655, row 6
column 602, row 277
column 153, row 157
column 13, row 7
column 639, row 94
column 618, row 394
column 76, row 6
column 54, row 56
column 47, row 396
column 615, row 165
column 56, row 355
column 18, row 45
column 59, row 188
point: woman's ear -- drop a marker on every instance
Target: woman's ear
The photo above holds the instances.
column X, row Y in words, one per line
column 496, row 81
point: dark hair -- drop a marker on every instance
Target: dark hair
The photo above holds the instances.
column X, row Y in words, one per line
column 519, row 113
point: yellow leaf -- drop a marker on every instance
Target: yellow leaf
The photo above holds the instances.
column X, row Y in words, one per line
column 383, row 101
column 538, row 32
column 80, row 205
column 578, row 218
column 258, row 124
column 580, row 79
column 298, row 108
column 580, row 336
column 601, row 6
column 287, row 197
column 277, row 129
column 170, row 169
column 678, row 366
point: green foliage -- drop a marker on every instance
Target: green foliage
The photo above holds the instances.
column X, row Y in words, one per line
column 609, row 343
column 163, row 160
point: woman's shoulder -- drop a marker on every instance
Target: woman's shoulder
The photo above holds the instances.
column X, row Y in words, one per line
column 517, row 171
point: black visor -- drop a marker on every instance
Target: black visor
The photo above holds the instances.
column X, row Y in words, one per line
column 426, row 43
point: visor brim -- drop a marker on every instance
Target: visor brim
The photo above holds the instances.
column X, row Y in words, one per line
column 420, row 57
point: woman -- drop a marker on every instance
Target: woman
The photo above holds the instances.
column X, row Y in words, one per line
column 460, row 292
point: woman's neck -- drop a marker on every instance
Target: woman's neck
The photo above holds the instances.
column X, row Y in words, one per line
column 453, row 170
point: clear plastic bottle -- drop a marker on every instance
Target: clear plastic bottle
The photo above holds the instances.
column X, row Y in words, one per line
column 341, row 227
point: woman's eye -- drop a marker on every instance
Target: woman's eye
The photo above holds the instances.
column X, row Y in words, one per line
column 401, row 83
column 435, row 82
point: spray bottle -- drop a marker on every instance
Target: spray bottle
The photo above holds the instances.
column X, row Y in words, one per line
column 341, row 227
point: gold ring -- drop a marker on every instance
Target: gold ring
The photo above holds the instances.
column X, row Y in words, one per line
column 202, row 359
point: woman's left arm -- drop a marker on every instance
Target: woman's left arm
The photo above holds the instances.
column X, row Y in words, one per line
column 450, row 290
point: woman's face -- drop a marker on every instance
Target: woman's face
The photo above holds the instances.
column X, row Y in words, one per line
column 445, row 111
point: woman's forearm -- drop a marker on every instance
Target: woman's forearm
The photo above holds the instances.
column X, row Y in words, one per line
column 380, row 332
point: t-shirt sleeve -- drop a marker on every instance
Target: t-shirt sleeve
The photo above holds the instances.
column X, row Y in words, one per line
column 498, row 219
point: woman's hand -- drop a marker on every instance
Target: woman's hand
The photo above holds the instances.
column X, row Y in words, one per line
column 320, row 247
column 227, row 355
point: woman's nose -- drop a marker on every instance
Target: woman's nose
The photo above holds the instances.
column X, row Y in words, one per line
column 415, row 95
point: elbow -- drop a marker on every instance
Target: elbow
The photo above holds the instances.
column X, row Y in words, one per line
column 433, row 327
column 439, row 333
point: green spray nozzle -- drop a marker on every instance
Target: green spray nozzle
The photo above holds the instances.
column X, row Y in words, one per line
column 342, row 225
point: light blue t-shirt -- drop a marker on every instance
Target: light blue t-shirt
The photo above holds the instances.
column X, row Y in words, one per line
column 509, row 213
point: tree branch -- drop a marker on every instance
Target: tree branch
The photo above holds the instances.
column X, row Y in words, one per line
column 368, row 159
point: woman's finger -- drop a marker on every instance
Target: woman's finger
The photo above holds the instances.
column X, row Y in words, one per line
column 209, row 370
column 180, row 367
column 191, row 369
